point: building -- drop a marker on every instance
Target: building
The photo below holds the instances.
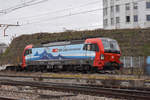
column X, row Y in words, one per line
column 3, row 47
column 124, row 14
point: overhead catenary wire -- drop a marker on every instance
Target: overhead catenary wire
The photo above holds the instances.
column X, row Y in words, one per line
column 63, row 16
column 84, row 4
column 64, row 10
column 57, row 11
column 91, row 11
column 74, row 28
column 72, row 14
column 22, row 5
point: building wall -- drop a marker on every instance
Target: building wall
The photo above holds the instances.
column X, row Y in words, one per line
column 3, row 48
column 141, row 12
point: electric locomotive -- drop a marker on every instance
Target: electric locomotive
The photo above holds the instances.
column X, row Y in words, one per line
column 86, row 55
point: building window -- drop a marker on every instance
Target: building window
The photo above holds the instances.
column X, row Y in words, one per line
column 117, row 20
column 112, row 1
column 117, row 8
column 112, row 9
column 127, row 19
column 105, row 2
column 105, row 11
column 112, row 21
column 127, row 6
column 135, row 18
column 147, row 5
column 148, row 17
column 105, row 22
column 135, row 5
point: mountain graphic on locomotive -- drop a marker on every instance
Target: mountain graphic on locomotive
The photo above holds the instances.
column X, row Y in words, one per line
column 86, row 55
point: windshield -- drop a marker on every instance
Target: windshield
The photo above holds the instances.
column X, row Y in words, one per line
column 110, row 46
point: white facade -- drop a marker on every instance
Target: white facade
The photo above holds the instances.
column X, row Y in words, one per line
column 3, row 48
column 124, row 14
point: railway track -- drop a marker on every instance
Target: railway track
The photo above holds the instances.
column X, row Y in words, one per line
column 37, row 94
column 88, row 81
column 84, row 89
column 73, row 76
column 6, row 98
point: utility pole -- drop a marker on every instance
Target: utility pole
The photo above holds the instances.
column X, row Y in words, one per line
column 6, row 26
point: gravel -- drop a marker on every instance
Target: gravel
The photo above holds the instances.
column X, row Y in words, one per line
column 28, row 93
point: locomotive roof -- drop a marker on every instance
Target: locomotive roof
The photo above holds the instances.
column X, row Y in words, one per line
column 104, row 38
column 61, row 43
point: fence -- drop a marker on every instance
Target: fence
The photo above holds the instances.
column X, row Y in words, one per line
column 133, row 62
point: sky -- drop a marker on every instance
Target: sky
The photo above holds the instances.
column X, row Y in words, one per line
column 35, row 16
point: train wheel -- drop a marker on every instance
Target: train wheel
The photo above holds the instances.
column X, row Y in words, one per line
column 8, row 68
column 19, row 69
column 42, row 68
column 89, row 69
column 84, row 69
column 25, row 69
column 94, row 70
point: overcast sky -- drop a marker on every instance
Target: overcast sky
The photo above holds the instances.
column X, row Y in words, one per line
column 49, row 16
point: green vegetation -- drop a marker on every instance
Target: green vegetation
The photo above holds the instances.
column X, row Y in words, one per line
column 133, row 42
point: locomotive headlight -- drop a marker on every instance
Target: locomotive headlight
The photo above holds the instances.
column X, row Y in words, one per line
column 102, row 57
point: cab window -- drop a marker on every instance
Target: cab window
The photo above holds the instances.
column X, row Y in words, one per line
column 27, row 52
column 91, row 47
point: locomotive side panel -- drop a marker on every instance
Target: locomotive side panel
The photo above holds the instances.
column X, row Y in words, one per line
column 67, row 54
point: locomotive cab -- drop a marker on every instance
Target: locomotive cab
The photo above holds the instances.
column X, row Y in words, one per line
column 107, row 53
column 111, row 54
column 26, row 52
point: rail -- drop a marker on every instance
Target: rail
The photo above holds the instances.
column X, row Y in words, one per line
column 131, row 82
column 6, row 98
column 84, row 89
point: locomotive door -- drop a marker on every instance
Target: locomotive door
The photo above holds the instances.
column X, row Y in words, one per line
column 27, row 54
column 87, row 48
column 91, row 50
